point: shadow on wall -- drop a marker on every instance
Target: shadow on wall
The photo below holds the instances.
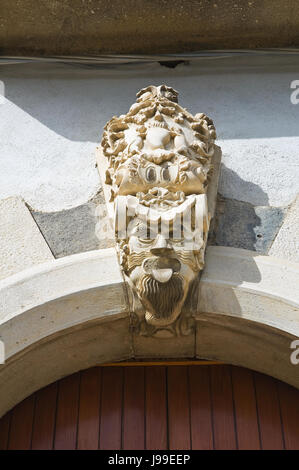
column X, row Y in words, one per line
column 242, row 187
column 76, row 102
column 239, row 224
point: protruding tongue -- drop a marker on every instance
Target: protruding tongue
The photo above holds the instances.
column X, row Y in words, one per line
column 162, row 275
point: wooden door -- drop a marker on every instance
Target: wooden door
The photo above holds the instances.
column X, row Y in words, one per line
column 157, row 407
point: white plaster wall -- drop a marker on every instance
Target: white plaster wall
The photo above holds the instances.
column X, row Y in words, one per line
column 286, row 243
column 53, row 117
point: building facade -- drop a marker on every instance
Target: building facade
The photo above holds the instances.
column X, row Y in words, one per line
column 65, row 302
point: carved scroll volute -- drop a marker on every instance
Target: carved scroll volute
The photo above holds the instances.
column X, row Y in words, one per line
column 159, row 167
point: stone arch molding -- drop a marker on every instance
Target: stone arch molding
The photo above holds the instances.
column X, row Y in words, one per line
column 73, row 313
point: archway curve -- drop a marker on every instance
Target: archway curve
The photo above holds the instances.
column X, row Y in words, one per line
column 71, row 314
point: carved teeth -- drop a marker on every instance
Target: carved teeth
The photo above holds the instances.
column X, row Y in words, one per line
column 162, row 275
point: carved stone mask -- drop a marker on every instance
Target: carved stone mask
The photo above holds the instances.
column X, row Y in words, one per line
column 157, row 160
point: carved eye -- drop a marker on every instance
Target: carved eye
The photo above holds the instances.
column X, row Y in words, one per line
column 165, row 174
column 151, row 175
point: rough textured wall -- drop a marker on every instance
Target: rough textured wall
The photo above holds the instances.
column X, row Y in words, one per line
column 67, row 27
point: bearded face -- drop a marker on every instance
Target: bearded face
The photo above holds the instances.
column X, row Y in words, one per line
column 161, row 269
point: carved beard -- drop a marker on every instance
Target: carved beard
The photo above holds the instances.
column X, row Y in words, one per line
column 163, row 297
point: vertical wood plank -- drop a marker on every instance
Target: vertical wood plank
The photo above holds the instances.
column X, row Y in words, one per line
column 289, row 405
column 228, row 406
column 178, row 408
column 268, row 412
column 21, row 425
column 156, row 408
column 4, row 430
column 245, row 409
column 67, row 413
column 200, row 403
column 44, row 418
column 223, row 408
column 89, row 409
column 111, row 408
column 133, row 412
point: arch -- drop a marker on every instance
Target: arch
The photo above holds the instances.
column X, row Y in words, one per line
column 71, row 314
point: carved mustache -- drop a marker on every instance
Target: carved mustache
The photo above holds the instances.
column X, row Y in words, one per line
column 161, row 262
column 158, row 262
column 136, row 259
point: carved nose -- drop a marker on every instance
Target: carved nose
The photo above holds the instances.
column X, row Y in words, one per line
column 161, row 247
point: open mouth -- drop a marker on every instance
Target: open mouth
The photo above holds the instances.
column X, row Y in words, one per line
column 161, row 268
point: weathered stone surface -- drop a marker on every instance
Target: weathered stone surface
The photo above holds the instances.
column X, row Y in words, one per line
column 286, row 243
column 241, row 225
column 21, row 243
column 181, row 346
column 70, row 280
column 75, row 230
column 235, row 281
column 123, row 26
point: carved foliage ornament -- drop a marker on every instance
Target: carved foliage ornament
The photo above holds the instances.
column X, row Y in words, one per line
column 157, row 164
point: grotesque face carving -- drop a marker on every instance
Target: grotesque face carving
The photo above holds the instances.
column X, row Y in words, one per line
column 164, row 253
column 159, row 164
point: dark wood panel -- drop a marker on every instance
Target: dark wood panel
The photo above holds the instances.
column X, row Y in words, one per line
column 111, row 408
column 223, row 408
column 245, row 409
column 178, row 408
column 89, row 409
column 4, row 431
column 289, row 403
column 200, row 403
column 133, row 410
column 67, row 413
column 268, row 412
column 156, row 408
column 44, row 418
column 21, row 425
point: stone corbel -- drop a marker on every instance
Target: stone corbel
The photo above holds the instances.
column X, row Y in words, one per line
column 159, row 168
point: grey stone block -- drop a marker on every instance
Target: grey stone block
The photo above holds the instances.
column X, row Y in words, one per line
column 75, row 230
column 241, row 225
